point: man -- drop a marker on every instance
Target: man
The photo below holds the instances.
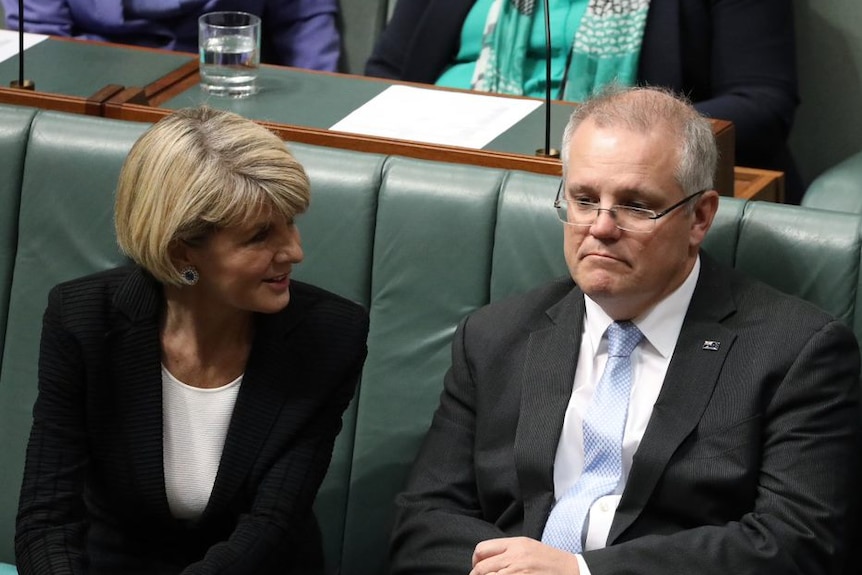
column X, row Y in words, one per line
column 721, row 440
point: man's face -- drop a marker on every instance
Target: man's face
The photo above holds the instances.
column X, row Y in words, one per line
column 627, row 273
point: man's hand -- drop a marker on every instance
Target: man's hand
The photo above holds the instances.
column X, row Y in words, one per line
column 521, row 555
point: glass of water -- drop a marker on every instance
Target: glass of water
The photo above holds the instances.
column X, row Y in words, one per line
column 229, row 45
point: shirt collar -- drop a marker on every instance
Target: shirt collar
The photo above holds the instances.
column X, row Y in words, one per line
column 660, row 325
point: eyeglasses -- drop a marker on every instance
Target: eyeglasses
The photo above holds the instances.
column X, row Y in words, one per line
column 585, row 212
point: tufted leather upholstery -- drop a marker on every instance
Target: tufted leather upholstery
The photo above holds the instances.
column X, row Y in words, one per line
column 14, row 127
column 839, row 188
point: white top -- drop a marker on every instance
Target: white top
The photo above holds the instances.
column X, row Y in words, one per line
column 195, row 425
column 660, row 326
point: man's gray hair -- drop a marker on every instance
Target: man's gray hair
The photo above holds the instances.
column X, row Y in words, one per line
column 646, row 109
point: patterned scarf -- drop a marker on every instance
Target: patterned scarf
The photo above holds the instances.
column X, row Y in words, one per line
column 605, row 49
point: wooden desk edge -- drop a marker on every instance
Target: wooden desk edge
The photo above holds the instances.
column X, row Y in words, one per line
column 371, row 144
column 748, row 183
column 725, row 138
column 110, row 100
column 45, row 100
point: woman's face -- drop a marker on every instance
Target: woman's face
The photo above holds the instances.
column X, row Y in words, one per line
column 248, row 267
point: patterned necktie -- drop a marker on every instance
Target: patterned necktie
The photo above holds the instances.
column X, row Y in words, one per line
column 604, row 425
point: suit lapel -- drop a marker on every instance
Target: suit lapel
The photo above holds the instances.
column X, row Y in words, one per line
column 136, row 377
column 264, row 390
column 435, row 40
column 136, row 352
column 687, row 388
column 548, row 376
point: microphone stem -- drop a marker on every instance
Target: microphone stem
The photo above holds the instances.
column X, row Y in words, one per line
column 547, row 78
column 21, row 43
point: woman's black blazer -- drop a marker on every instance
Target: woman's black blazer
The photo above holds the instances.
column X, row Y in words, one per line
column 93, row 497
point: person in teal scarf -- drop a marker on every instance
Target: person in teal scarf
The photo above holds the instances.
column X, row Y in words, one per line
column 735, row 59
column 595, row 45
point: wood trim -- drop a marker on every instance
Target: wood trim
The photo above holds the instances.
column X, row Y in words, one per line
column 45, row 100
column 321, row 137
column 96, row 102
column 725, row 139
column 168, row 85
column 755, row 184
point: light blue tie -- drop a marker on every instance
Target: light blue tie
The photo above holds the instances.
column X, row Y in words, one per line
column 604, row 425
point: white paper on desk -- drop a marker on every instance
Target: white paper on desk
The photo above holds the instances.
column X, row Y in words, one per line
column 436, row 116
column 9, row 42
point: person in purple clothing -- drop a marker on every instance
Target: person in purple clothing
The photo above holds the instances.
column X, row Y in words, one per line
column 301, row 33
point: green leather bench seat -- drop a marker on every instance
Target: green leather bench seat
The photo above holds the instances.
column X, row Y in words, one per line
column 64, row 229
column 528, row 239
column 432, row 253
column 838, row 188
column 813, row 254
column 338, row 237
column 14, row 129
column 420, row 244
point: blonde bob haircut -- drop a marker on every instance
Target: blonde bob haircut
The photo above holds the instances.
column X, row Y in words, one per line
column 196, row 171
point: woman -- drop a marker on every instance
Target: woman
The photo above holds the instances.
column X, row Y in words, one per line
column 188, row 404
column 735, row 59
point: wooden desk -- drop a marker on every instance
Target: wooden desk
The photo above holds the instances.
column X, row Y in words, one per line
column 79, row 76
column 301, row 105
column 142, row 84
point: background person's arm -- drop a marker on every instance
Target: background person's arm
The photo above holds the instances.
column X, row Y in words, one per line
column 303, row 33
column 420, row 40
column 753, row 75
column 41, row 17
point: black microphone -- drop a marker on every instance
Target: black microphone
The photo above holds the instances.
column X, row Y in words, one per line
column 21, row 82
column 547, row 151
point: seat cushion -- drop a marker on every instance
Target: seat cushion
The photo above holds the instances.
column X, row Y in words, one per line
column 432, row 254
column 839, row 188
column 14, row 132
column 65, row 231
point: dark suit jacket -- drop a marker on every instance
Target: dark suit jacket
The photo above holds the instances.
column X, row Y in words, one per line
column 747, row 465
column 94, row 488
column 734, row 58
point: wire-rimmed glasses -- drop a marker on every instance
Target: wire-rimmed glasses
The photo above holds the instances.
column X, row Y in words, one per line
column 584, row 212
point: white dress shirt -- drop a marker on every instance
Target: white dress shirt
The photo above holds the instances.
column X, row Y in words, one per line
column 660, row 326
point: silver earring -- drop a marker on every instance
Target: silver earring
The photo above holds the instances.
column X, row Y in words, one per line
column 190, row 275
